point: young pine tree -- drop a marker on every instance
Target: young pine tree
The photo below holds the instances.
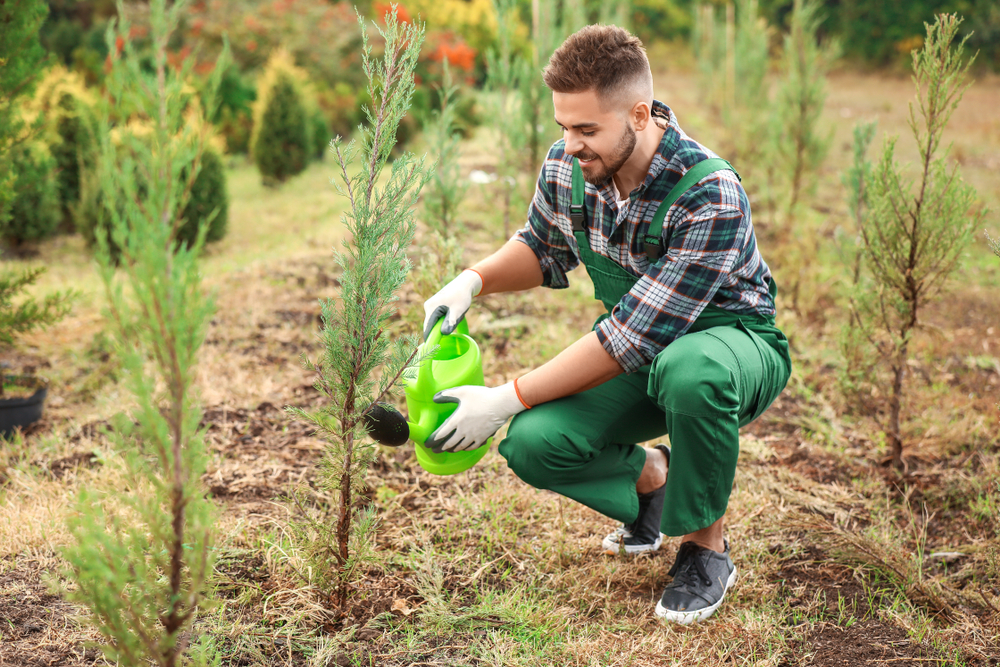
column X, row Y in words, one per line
column 141, row 552
column 801, row 147
column 505, row 71
column 446, row 188
column 916, row 228
column 355, row 335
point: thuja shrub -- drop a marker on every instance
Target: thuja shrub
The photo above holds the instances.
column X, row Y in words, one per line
column 319, row 131
column 67, row 111
column 34, row 211
column 208, row 203
column 207, row 206
column 281, row 142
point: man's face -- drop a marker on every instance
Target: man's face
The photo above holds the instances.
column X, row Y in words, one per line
column 602, row 140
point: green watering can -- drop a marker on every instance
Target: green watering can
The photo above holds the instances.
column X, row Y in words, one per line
column 456, row 362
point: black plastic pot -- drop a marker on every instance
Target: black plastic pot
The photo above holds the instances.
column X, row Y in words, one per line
column 22, row 411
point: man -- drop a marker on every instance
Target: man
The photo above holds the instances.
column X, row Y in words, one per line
column 688, row 347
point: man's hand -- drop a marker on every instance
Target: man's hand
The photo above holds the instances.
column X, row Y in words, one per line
column 451, row 302
column 481, row 411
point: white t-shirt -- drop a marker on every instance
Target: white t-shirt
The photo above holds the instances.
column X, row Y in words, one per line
column 622, row 203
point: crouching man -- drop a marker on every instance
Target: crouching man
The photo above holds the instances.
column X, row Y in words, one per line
column 687, row 348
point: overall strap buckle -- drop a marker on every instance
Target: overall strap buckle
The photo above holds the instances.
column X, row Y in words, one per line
column 652, row 246
column 576, row 215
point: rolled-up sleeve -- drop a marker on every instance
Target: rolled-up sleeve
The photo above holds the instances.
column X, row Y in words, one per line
column 542, row 233
column 703, row 247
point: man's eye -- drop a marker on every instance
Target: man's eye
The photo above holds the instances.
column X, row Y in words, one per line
column 589, row 134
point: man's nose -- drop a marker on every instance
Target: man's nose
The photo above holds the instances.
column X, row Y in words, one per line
column 573, row 144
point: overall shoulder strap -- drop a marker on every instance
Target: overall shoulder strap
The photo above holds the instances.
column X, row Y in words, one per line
column 699, row 171
column 577, row 208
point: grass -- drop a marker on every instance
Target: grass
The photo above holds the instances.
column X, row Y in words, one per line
column 836, row 553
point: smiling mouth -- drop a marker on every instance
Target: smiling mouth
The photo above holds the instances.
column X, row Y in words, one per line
column 584, row 160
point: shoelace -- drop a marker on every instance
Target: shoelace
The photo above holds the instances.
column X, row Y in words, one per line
column 687, row 558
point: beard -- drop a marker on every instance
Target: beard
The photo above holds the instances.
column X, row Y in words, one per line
column 599, row 176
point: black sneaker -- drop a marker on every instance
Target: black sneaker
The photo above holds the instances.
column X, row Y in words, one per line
column 701, row 578
column 643, row 534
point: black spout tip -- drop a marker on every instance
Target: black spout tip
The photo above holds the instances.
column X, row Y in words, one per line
column 386, row 425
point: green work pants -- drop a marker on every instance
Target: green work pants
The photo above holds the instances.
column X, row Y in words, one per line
column 699, row 390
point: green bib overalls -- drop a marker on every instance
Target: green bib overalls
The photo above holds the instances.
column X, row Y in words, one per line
column 721, row 375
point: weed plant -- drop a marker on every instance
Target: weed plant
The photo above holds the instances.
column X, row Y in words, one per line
column 356, row 335
column 915, row 229
column 140, row 554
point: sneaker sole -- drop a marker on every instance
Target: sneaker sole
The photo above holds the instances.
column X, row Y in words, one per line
column 689, row 617
column 612, row 547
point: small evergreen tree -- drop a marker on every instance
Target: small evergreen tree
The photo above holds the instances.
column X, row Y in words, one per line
column 505, row 71
column 207, row 205
column 34, row 211
column 320, row 132
column 916, row 228
column 65, row 108
column 140, row 555
column 281, row 143
column 801, row 148
column 20, row 314
column 355, row 335
column 446, row 189
column 21, row 56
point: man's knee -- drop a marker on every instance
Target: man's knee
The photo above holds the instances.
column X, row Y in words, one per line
column 528, row 447
column 690, row 377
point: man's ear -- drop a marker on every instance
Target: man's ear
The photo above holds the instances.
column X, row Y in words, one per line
column 641, row 115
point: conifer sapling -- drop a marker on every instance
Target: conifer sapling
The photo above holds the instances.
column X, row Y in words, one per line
column 141, row 550
column 916, row 228
column 356, row 336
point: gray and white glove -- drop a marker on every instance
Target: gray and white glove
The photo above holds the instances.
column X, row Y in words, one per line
column 451, row 302
column 481, row 412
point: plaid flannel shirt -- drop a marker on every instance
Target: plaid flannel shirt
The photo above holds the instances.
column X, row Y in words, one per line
column 710, row 250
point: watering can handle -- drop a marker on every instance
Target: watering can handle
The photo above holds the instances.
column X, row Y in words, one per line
column 425, row 378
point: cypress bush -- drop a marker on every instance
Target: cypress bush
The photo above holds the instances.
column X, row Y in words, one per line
column 34, row 211
column 66, row 107
column 281, row 144
column 208, row 203
column 320, row 131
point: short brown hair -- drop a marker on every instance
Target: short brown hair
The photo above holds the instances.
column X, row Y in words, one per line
column 604, row 58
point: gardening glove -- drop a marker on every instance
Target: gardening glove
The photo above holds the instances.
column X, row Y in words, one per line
column 481, row 411
column 451, row 302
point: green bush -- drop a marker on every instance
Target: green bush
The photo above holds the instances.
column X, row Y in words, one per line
column 208, row 194
column 66, row 108
column 320, row 133
column 281, row 144
column 34, row 212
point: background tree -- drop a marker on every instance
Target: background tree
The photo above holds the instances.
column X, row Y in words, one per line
column 916, row 228
column 355, row 336
column 281, row 143
column 21, row 56
column 141, row 552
